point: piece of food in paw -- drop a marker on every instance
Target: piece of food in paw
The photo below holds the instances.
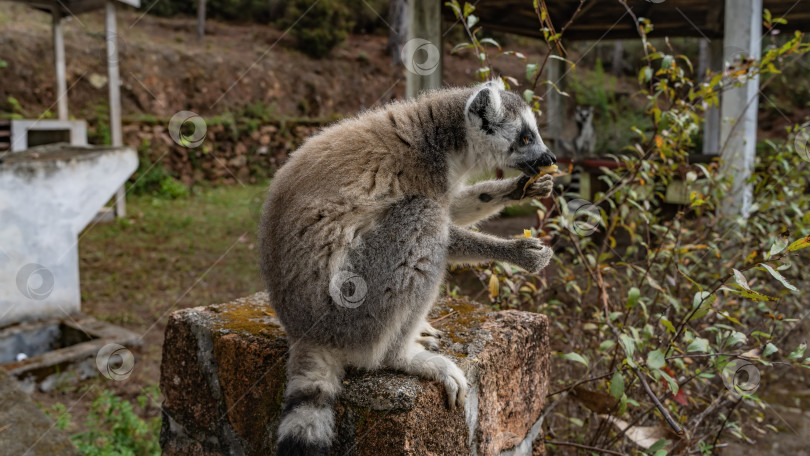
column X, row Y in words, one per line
column 544, row 170
column 550, row 169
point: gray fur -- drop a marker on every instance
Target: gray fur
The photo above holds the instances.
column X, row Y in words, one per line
column 358, row 228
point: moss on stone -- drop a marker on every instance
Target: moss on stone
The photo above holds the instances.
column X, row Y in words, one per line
column 251, row 315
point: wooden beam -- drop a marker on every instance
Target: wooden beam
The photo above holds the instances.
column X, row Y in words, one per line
column 59, row 65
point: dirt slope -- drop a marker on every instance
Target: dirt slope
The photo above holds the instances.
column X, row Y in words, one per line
column 164, row 68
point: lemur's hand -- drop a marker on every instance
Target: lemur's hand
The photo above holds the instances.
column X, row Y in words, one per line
column 531, row 254
column 541, row 188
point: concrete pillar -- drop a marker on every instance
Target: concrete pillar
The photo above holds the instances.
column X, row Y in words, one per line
column 617, row 63
column 59, row 65
column 711, row 58
column 555, row 103
column 116, row 134
column 200, row 19
column 743, row 30
column 422, row 54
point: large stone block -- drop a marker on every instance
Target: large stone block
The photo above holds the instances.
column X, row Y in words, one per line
column 223, row 378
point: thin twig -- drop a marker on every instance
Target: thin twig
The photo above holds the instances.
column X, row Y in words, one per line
column 575, row 384
column 606, row 308
column 443, row 317
column 558, row 41
column 584, row 447
column 723, row 426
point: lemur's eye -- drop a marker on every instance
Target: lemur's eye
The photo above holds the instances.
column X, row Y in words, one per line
column 526, row 140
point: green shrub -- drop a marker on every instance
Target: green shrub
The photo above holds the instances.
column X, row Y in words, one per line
column 325, row 25
column 113, row 427
column 153, row 178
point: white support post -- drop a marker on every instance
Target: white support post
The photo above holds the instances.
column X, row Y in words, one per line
column 116, row 134
column 423, row 58
column 59, row 65
column 711, row 59
column 743, row 30
column 555, row 103
column 200, row 19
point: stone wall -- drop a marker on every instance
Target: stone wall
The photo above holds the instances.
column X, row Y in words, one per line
column 234, row 151
column 223, row 380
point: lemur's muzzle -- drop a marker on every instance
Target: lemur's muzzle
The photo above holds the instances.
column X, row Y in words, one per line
column 540, row 156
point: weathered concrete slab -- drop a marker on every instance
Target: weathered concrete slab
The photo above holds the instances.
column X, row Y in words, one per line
column 223, row 376
column 48, row 194
column 24, row 428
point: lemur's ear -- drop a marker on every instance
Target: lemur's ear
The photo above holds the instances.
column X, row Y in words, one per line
column 484, row 108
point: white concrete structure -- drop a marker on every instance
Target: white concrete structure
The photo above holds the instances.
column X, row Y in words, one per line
column 60, row 9
column 738, row 108
column 48, row 194
column 26, row 133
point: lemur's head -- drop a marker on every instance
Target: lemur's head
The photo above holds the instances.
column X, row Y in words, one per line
column 583, row 114
column 502, row 131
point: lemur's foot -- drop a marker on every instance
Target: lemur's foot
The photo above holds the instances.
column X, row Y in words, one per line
column 532, row 255
column 428, row 330
column 429, row 342
column 429, row 336
column 455, row 383
column 434, row 366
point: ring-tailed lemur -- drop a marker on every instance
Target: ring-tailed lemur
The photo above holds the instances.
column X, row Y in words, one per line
column 357, row 230
column 583, row 145
column 585, row 140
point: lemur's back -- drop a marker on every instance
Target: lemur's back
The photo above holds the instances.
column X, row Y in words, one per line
column 336, row 187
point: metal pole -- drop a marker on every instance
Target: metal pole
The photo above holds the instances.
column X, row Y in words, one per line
column 422, row 53
column 59, row 65
column 115, row 96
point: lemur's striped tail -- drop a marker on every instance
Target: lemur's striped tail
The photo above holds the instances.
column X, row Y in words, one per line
column 313, row 383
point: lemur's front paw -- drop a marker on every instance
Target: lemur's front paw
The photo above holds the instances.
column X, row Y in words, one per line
column 541, row 188
column 532, row 255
